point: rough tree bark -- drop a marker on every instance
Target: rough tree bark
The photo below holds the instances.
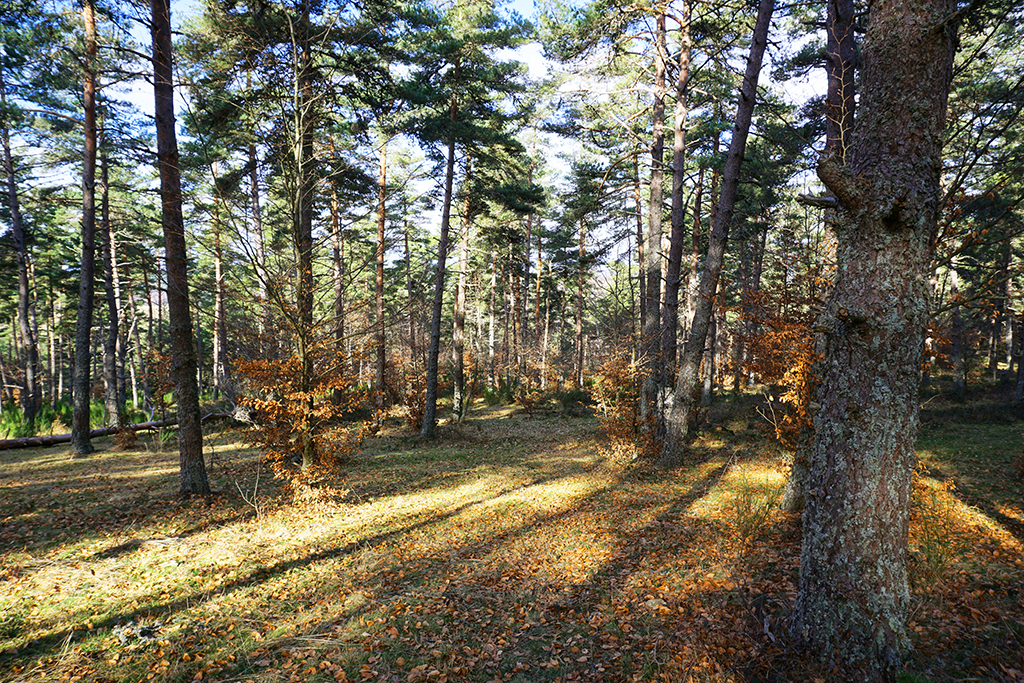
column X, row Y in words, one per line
column 650, row 342
column 30, row 396
column 434, row 351
column 679, row 415
column 853, row 597
column 670, row 324
column 192, row 478
column 82, row 380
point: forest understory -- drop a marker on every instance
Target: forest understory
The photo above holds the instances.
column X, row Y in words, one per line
column 516, row 547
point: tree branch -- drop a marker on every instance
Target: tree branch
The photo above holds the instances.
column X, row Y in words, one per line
column 838, row 178
column 819, row 202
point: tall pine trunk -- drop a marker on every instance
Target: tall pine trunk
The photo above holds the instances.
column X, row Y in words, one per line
column 853, row 598
column 30, row 398
column 434, row 351
column 302, row 234
column 580, row 280
column 82, row 380
column 650, row 343
column 112, row 396
column 259, row 247
column 459, row 396
column 192, row 477
column 338, row 265
column 221, row 384
column 680, row 413
column 381, row 350
column 670, row 323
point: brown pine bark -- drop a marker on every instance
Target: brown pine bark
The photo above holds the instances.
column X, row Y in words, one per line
column 434, row 350
column 680, row 413
column 841, row 66
column 82, row 380
column 192, row 468
column 30, row 397
column 650, row 343
column 670, row 323
column 852, row 603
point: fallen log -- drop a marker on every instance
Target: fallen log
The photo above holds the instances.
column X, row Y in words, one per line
column 54, row 439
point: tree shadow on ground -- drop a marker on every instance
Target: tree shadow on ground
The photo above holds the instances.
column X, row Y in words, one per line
column 48, row 501
column 167, row 608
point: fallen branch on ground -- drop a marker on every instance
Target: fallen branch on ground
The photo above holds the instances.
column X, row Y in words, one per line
column 54, row 439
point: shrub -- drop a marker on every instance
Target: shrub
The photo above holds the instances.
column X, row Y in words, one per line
column 286, row 419
column 781, row 352
column 752, row 505
column 614, row 393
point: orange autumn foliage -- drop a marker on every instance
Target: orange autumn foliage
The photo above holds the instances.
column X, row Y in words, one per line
column 281, row 413
column 781, row 354
column 614, row 392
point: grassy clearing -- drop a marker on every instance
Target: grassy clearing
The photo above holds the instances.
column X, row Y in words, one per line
column 510, row 550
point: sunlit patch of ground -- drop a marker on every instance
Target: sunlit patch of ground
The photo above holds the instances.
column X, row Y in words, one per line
column 511, row 549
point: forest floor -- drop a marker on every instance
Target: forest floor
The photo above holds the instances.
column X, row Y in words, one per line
column 514, row 548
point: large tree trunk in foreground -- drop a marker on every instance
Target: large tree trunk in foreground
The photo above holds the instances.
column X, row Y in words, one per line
column 183, row 354
column 82, row 382
column 679, row 415
column 852, row 603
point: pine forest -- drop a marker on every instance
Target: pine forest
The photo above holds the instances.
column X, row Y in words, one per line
column 468, row 340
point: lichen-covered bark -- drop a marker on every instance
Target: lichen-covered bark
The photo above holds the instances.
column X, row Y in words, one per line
column 852, row 604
